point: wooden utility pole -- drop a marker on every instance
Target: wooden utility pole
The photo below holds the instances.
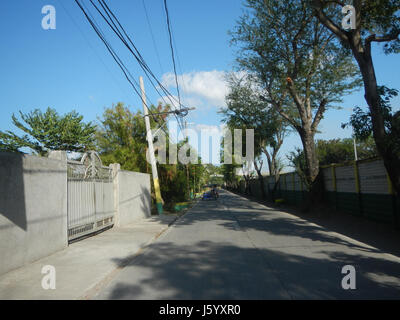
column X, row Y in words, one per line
column 151, row 150
column 187, row 166
column 355, row 149
column 194, row 179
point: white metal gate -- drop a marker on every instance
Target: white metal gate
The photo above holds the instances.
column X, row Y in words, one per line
column 90, row 196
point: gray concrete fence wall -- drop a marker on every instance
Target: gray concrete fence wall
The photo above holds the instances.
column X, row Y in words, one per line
column 33, row 205
column 132, row 196
column 360, row 188
column 33, row 208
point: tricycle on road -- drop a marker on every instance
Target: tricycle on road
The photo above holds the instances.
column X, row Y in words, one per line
column 212, row 194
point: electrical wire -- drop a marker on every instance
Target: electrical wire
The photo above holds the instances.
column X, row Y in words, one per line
column 137, row 53
column 172, row 51
column 90, row 45
column 117, row 59
column 152, row 36
column 115, row 27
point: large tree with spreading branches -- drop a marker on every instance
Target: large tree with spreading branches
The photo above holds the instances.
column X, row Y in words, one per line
column 376, row 21
column 246, row 110
column 302, row 68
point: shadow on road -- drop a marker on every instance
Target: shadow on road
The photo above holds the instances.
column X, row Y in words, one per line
column 222, row 271
column 291, row 260
column 256, row 217
column 377, row 234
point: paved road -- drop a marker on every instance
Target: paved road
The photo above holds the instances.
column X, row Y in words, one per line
column 236, row 249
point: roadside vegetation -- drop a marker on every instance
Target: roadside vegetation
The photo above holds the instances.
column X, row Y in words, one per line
column 119, row 137
column 296, row 62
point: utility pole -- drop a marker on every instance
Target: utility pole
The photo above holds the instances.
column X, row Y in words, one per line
column 151, row 150
column 355, row 149
column 187, row 166
column 194, row 179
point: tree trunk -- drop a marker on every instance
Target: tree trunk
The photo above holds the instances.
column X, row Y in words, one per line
column 313, row 181
column 262, row 185
column 272, row 172
column 311, row 157
column 248, row 187
column 390, row 159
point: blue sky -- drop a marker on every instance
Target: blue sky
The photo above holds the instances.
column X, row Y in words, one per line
column 69, row 68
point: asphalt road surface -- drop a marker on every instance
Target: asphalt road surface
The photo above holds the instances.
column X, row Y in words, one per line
column 233, row 248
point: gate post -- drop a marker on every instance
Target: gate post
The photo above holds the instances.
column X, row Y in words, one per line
column 58, row 155
column 115, row 167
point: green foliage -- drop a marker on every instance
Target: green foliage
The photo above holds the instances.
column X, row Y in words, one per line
column 379, row 18
column 342, row 150
column 213, row 175
column 245, row 110
column 121, row 138
column 382, row 17
column 301, row 67
column 281, row 39
column 335, row 151
column 377, row 21
column 173, row 183
column 229, row 173
column 49, row 131
column 298, row 161
column 361, row 121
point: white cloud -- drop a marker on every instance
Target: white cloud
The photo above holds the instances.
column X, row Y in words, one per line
column 206, row 127
column 202, row 88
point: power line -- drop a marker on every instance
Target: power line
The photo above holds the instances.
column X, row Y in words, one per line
column 137, row 53
column 114, row 55
column 152, row 36
column 170, row 33
column 90, row 45
column 179, row 64
column 172, row 51
column 115, row 27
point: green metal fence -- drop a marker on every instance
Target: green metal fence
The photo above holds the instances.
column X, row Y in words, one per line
column 360, row 188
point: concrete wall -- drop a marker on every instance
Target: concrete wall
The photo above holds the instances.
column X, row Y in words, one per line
column 33, row 208
column 33, row 205
column 359, row 188
column 132, row 196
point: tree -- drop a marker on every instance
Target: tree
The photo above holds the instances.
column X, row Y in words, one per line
column 302, row 68
column 229, row 171
column 361, row 121
column 121, row 138
column 246, row 110
column 212, row 174
column 376, row 21
column 248, row 175
column 49, row 131
column 335, row 151
column 342, row 150
column 298, row 162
